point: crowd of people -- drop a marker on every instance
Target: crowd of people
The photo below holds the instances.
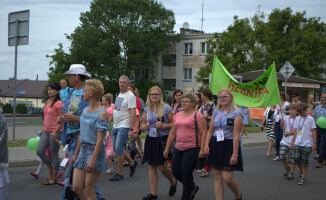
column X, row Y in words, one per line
column 99, row 131
column 293, row 134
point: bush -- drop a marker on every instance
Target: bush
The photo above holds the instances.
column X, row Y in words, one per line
column 7, row 108
column 21, row 108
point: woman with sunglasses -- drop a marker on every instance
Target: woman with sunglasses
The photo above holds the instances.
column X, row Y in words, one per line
column 157, row 119
column 223, row 146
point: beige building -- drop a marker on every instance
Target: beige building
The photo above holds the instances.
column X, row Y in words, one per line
column 178, row 69
column 28, row 92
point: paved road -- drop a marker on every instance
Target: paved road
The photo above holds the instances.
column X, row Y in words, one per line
column 262, row 179
column 24, row 119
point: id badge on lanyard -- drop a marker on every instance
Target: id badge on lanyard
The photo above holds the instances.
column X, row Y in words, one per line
column 219, row 135
column 152, row 132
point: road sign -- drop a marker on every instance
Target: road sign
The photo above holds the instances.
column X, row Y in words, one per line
column 18, row 26
column 287, row 70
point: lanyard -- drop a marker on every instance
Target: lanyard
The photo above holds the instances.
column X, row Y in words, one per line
column 302, row 123
column 291, row 126
column 221, row 122
column 153, row 116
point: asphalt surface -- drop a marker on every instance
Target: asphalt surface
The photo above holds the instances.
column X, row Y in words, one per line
column 262, row 179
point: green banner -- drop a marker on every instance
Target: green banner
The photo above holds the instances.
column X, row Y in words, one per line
column 261, row 92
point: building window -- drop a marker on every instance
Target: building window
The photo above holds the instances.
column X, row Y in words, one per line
column 169, row 60
column 169, row 84
column 204, row 47
column 188, row 48
column 187, row 73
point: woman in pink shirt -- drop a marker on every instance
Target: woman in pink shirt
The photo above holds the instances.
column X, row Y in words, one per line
column 51, row 133
column 183, row 131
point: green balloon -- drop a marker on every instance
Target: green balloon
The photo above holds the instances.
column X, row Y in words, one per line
column 37, row 138
column 32, row 144
column 321, row 122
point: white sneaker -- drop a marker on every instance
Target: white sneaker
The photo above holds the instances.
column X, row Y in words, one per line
column 109, row 171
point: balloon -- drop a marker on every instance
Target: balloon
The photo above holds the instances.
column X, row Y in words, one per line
column 321, row 122
column 37, row 138
column 32, row 144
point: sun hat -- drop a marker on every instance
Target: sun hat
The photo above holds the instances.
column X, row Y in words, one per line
column 77, row 69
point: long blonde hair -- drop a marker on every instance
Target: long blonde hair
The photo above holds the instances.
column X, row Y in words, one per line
column 233, row 105
column 149, row 104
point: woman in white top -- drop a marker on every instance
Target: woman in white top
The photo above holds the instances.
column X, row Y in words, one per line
column 279, row 112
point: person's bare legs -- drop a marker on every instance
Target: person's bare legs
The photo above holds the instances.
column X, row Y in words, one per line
column 78, row 183
column 218, row 184
column 231, row 183
column 128, row 159
column 90, row 182
column 270, row 146
column 120, row 159
column 109, row 161
column 140, row 146
column 166, row 171
column 153, row 178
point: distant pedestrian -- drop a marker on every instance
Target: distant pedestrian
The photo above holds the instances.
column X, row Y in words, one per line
column 176, row 102
column 157, row 120
column 89, row 157
column 303, row 142
column 4, row 176
column 223, row 146
column 64, row 90
column 268, row 123
column 183, row 131
column 245, row 113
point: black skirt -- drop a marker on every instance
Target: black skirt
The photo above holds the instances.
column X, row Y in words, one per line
column 153, row 150
column 220, row 154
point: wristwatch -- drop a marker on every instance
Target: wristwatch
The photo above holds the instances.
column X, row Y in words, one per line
column 131, row 129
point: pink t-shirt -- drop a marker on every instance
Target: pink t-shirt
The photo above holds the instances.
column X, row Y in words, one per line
column 185, row 131
column 110, row 109
column 50, row 116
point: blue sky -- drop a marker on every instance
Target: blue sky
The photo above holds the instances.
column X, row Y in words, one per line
column 50, row 20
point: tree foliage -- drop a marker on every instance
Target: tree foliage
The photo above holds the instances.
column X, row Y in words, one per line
column 253, row 44
column 116, row 37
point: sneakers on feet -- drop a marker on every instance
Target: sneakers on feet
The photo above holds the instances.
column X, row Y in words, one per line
column 173, row 189
column 35, row 175
column 59, row 175
column 287, row 170
column 149, row 197
column 302, row 181
column 109, row 171
column 116, row 177
column 290, row 177
column 133, row 168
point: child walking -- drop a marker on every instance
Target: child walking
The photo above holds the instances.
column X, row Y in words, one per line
column 287, row 124
column 303, row 142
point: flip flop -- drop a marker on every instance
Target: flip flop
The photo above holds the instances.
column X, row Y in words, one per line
column 204, row 174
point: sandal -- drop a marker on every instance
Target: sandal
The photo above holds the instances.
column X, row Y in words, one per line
column 50, row 182
column 268, row 155
column 204, row 173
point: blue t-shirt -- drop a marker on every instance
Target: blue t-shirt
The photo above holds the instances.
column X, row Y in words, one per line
column 64, row 94
column 218, row 119
column 90, row 123
column 151, row 119
column 74, row 108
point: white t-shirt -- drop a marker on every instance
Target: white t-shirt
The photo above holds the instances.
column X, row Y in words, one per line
column 277, row 113
column 121, row 113
column 304, row 139
column 288, row 126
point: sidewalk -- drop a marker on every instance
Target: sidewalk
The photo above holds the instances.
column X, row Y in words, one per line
column 22, row 156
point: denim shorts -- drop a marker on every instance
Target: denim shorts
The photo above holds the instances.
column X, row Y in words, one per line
column 119, row 138
column 86, row 153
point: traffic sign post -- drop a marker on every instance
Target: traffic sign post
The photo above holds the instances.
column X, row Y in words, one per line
column 287, row 70
column 18, row 34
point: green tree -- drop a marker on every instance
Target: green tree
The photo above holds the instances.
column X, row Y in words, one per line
column 253, row 44
column 117, row 37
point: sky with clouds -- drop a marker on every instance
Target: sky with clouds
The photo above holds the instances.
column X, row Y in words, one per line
column 50, row 20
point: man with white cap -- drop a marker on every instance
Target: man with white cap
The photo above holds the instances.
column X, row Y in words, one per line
column 73, row 108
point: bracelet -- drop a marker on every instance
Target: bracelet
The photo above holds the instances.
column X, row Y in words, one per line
column 235, row 155
column 131, row 129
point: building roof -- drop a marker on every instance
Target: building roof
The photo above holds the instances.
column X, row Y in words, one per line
column 249, row 76
column 25, row 88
